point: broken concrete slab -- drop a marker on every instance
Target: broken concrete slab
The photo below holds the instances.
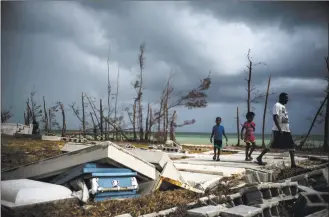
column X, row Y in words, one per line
column 208, row 169
column 157, row 158
column 23, row 192
column 201, row 181
column 206, row 211
column 105, row 152
column 170, row 176
column 14, row 128
column 50, row 138
column 242, row 211
column 72, row 146
column 212, row 170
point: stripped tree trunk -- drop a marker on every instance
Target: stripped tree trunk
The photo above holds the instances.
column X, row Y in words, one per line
column 326, row 118
column 265, row 109
column 238, row 125
column 173, row 126
column 49, row 116
column 83, row 115
column 101, row 117
column 94, row 125
column 150, row 123
column 313, row 122
column 134, row 121
column 147, row 123
column 249, row 86
column 64, row 121
column 45, row 116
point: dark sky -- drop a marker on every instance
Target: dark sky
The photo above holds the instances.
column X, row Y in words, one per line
column 60, row 49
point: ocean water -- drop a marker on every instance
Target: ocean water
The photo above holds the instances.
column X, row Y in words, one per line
column 203, row 138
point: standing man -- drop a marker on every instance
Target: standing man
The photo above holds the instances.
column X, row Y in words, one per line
column 281, row 136
column 218, row 132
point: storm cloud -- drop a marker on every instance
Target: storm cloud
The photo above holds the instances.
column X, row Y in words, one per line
column 60, row 49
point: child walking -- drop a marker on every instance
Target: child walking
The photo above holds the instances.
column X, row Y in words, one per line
column 249, row 137
column 218, row 132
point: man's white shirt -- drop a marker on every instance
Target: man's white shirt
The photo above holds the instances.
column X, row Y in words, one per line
column 281, row 111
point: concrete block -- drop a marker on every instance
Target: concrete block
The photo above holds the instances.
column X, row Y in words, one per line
column 105, row 152
column 308, row 203
column 259, row 176
column 235, row 199
column 242, row 211
column 302, row 188
column 206, row 211
column 322, row 213
column 275, row 189
column 301, row 179
column 252, row 196
column 250, row 178
column 320, row 178
column 269, row 208
column 23, row 192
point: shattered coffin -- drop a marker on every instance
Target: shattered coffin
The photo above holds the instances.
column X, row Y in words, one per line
column 105, row 183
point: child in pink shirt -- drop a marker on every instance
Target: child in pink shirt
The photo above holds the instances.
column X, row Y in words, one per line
column 249, row 137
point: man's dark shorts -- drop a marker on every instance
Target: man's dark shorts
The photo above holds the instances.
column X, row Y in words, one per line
column 282, row 140
column 218, row 144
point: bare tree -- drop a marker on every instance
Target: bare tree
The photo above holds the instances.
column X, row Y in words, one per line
column 265, row 109
column 52, row 118
column 45, row 117
column 107, row 126
column 195, row 98
column 134, row 120
column 326, row 123
column 61, row 106
column 253, row 93
column 6, row 114
column 147, row 122
column 101, row 117
column 238, row 125
column 116, row 101
column 141, row 60
column 83, row 115
column 313, row 122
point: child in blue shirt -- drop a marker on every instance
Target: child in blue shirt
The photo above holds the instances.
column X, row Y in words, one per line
column 218, row 132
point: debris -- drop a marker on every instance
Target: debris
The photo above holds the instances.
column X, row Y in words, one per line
column 207, row 211
column 106, row 152
column 72, row 146
column 22, row 192
column 308, row 203
column 51, row 138
column 13, row 128
column 242, row 211
column 170, row 176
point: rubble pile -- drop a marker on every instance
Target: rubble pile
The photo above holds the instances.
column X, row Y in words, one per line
column 104, row 179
